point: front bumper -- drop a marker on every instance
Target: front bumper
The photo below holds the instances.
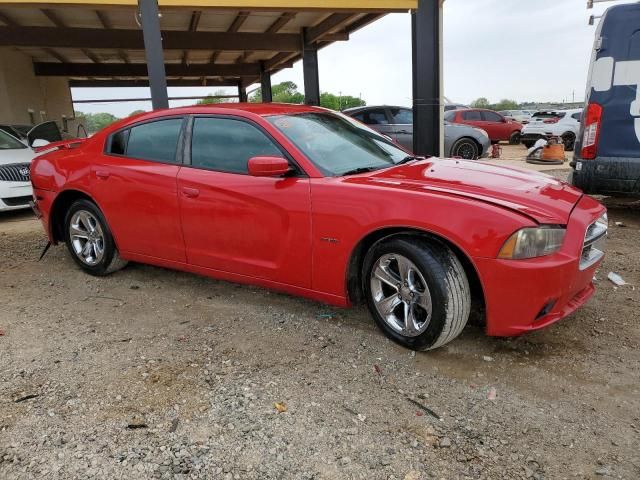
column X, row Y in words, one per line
column 527, row 295
column 15, row 195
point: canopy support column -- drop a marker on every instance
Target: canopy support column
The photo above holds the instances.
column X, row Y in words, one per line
column 153, row 53
column 310, row 70
column 265, row 85
column 242, row 93
column 428, row 108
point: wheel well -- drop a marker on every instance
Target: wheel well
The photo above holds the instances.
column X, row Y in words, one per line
column 354, row 271
column 59, row 210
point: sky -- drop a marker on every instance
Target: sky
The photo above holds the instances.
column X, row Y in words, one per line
column 517, row 49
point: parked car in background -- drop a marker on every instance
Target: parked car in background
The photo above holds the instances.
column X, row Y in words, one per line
column 307, row 201
column 15, row 161
column 520, row 116
column 607, row 155
column 454, row 106
column 397, row 122
column 27, row 134
column 497, row 127
column 560, row 123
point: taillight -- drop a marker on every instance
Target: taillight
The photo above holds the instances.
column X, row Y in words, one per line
column 552, row 120
column 592, row 123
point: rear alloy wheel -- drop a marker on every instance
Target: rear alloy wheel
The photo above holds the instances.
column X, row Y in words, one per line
column 514, row 139
column 569, row 141
column 417, row 291
column 89, row 239
column 465, row 148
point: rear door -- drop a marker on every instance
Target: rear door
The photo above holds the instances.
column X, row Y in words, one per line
column 473, row 118
column 495, row 125
column 377, row 119
column 134, row 183
column 402, row 124
column 614, row 83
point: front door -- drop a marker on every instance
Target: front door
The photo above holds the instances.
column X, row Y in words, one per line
column 134, row 183
column 233, row 222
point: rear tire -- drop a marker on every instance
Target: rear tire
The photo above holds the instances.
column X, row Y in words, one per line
column 465, row 148
column 569, row 141
column 90, row 241
column 528, row 144
column 417, row 291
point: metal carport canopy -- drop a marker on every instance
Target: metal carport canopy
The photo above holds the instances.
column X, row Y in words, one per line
column 210, row 43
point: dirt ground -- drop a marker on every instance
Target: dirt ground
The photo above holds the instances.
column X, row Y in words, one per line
column 151, row 373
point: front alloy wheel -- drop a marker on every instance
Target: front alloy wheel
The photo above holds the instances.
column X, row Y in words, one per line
column 416, row 290
column 401, row 295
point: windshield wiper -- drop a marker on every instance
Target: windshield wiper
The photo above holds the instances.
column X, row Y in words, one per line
column 409, row 158
column 355, row 171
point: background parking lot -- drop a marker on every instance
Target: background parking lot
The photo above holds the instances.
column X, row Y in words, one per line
column 151, row 373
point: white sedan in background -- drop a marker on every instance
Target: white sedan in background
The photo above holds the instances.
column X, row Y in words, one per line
column 15, row 181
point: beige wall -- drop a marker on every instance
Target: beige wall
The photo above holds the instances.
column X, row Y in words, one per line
column 21, row 90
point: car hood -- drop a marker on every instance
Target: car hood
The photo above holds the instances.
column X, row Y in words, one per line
column 538, row 196
column 17, row 155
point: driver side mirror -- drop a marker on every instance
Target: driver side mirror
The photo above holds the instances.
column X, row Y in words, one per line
column 268, row 166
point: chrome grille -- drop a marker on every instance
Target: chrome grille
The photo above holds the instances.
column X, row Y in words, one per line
column 15, row 172
column 594, row 243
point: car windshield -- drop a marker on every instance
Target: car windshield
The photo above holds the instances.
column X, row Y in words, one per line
column 7, row 142
column 338, row 145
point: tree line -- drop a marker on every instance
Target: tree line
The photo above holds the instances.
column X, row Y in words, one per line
column 504, row 104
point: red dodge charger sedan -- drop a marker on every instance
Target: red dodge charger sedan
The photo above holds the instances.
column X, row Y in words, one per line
column 310, row 202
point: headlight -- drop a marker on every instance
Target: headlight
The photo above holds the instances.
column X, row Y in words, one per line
column 532, row 242
column 603, row 221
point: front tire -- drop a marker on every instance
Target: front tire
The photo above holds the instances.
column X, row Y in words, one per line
column 514, row 138
column 90, row 241
column 417, row 291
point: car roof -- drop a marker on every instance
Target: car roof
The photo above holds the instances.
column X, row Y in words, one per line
column 261, row 109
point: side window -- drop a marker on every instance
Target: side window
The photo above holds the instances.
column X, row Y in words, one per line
column 471, row 115
column 118, row 143
column 491, row 117
column 375, row 117
column 359, row 117
column 227, row 145
column 450, row 116
column 155, row 140
column 401, row 116
column 577, row 116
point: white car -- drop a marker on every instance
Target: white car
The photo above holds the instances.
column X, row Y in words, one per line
column 559, row 123
column 15, row 180
column 520, row 116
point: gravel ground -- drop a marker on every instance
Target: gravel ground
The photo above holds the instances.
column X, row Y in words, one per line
column 151, row 373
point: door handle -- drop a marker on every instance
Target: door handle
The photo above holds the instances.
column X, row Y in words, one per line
column 102, row 174
column 190, row 192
